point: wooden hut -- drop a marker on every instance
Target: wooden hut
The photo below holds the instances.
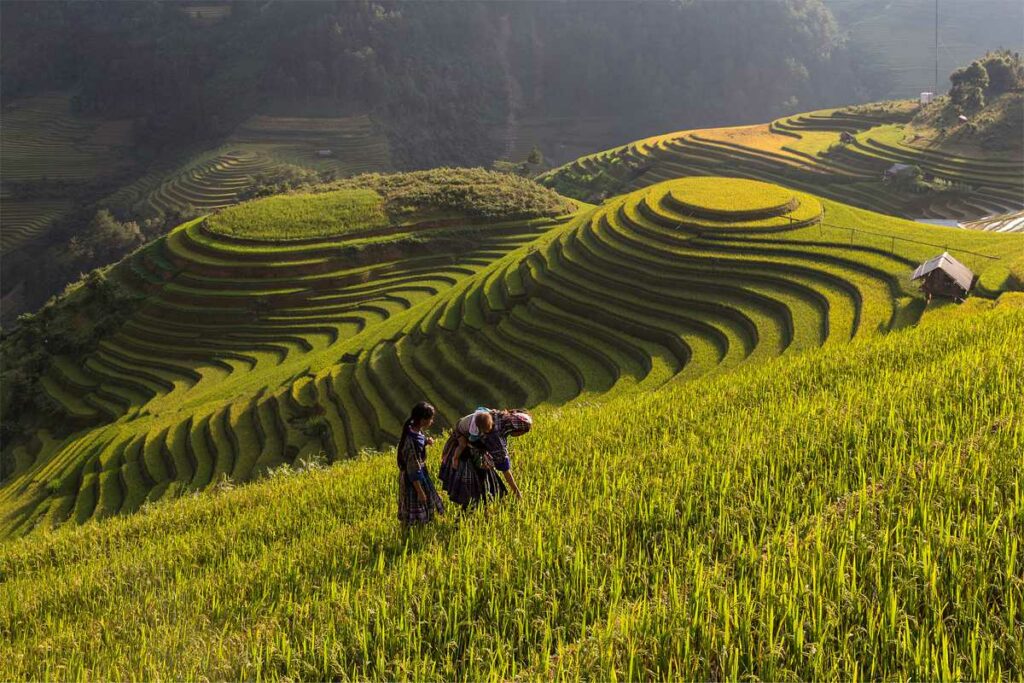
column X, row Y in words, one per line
column 944, row 276
column 898, row 171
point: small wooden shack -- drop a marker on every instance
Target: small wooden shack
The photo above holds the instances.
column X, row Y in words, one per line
column 944, row 276
column 898, row 171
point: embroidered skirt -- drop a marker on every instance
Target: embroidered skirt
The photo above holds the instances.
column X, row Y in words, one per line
column 412, row 510
column 468, row 484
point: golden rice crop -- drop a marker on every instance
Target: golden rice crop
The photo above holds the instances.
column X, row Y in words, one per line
column 855, row 512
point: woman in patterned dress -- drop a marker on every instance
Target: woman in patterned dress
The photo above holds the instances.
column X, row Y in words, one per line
column 418, row 500
column 477, row 451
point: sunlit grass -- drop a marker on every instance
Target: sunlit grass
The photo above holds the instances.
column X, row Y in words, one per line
column 299, row 216
column 519, row 325
column 850, row 513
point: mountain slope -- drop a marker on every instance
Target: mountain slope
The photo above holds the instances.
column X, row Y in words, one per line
column 242, row 353
column 846, row 513
column 807, row 152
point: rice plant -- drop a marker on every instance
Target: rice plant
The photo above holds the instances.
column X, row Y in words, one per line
column 243, row 353
column 853, row 512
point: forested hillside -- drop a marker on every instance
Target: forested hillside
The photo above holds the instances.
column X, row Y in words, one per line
column 454, row 70
column 892, row 42
column 175, row 108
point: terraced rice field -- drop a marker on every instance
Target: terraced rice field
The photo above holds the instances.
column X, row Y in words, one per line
column 560, row 139
column 844, row 515
column 206, row 14
column 41, row 140
column 211, row 181
column 1007, row 222
column 803, row 152
column 22, row 221
column 261, row 146
column 247, row 354
column 211, row 184
column 355, row 144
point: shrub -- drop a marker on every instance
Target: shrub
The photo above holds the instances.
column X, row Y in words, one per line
column 462, row 191
column 1005, row 72
column 969, row 84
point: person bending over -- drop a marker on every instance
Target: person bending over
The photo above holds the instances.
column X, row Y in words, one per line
column 477, row 451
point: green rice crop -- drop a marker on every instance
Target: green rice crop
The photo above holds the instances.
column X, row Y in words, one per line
column 589, row 307
column 853, row 512
column 298, row 216
column 804, row 152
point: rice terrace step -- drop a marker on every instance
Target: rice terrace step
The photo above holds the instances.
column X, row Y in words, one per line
column 393, row 341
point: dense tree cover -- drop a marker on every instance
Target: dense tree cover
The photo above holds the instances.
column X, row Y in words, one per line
column 969, row 85
column 892, row 42
column 105, row 239
column 989, row 93
column 443, row 79
column 440, row 75
column 1005, row 71
column 994, row 74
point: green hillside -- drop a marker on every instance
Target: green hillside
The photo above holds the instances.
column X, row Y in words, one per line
column 354, row 144
column 215, row 353
column 260, row 150
column 893, row 41
column 841, row 514
column 58, row 167
column 47, row 154
column 806, row 152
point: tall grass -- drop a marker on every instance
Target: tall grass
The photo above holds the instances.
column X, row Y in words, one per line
column 851, row 513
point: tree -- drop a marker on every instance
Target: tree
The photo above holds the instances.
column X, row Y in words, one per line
column 536, row 157
column 1004, row 70
column 969, row 84
column 316, row 76
column 973, row 75
column 113, row 237
column 105, row 239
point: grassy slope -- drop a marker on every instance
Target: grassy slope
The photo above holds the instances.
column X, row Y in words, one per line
column 883, row 299
column 849, row 512
column 355, row 144
column 303, row 216
column 995, row 129
column 804, row 150
column 42, row 140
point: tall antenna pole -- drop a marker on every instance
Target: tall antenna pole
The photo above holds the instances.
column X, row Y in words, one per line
column 936, row 47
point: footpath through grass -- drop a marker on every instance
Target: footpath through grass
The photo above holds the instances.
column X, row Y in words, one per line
column 854, row 512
